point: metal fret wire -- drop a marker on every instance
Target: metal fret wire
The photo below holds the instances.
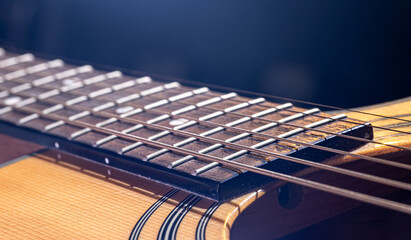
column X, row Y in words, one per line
column 301, row 161
column 328, row 132
column 275, row 97
column 256, row 94
column 261, row 152
column 301, row 181
column 342, row 152
column 158, row 127
column 291, row 100
column 341, row 135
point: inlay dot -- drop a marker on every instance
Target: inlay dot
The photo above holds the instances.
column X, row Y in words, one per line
column 106, row 160
column 179, row 121
column 12, row 100
column 124, row 109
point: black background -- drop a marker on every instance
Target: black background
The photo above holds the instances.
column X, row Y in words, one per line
column 343, row 53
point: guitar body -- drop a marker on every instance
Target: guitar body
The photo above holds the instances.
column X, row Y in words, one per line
column 47, row 194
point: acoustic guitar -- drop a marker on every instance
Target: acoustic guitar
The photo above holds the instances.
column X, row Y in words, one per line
column 115, row 156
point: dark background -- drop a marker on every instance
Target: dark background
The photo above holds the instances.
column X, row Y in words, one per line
column 344, row 53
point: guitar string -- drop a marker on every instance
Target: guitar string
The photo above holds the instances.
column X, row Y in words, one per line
column 187, row 134
column 156, row 76
column 397, row 206
column 312, row 129
column 359, row 156
column 339, row 170
column 322, row 166
column 230, row 89
column 261, row 151
column 283, row 98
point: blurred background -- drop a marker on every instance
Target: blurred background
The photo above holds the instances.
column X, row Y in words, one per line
column 344, row 53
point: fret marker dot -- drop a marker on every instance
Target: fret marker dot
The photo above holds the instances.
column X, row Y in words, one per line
column 176, row 122
column 124, row 109
column 108, row 172
column 70, row 81
column 56, row 145
column 12, row 100
column 106, row 160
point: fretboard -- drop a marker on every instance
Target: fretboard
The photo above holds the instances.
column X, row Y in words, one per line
column 164, row 130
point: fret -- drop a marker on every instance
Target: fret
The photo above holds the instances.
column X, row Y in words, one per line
column 42, row 81
column 70, row 87
column 131, row 147
column 271, row 110
column 152, row 91
column 106, row 122
column 238, row 137
column 156, row 154
column 180, row 161
column 124, row 85
column 105, row 140
column 159, row 135
column 78, row 115
column 158, row 119
column 210, row 116
column 76, row 100
column 99, row 92
column 184, row 142
column 237, row 122
column 131, row 113
column 208, row 102
column 79, row 133
column 75, row 71
column 103, row 106
column 185, row 125
column 15, row 74
column 27, row 118
column 123, row 109
column 177, row 122
column 48, row 94
column 181, row 96
column 53, row 125
column 212, row 131
column 265, row 127
column 16, row 60
column 103, row 77
column 53, row 109
column 20, row 88
column 183, row 110
column 128, row 98
column 156, row 104
column 25, row 102
column 132, row 129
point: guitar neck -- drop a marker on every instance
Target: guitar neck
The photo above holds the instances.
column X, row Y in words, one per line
column 172, row 133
